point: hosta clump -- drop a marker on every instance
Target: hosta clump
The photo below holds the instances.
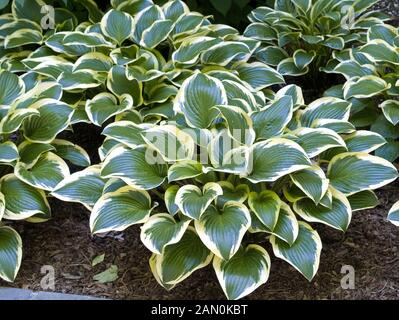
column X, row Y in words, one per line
column 300, row 37
column 224, row 171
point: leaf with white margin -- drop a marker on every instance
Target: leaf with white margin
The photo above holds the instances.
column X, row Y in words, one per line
column 116, row 211
column 22, row 200
column 393, row 214
column 161, row 230
column 71, row 152
column 337, row 217
column 11, row 87
column 119, row 84
column 48, row 171
column 315, row 141
column 365, row 87
column 244, row 272
column 8, row 152
column 84, row 187
column 287, row 225
column 339, row 126
column 294, row 91
column 10, row 253
column 175, row 9
column 270, row 121
column 380, row 51
column 364, row 141
column 29, row 152
column 312, row 182
column 271, row 55
column 2, row 205
column 157, row 33
column 222, row 229
column 266, row 206
column 287, row 67
column 190, row 49
column 126, row 132
column 180, row 260
column 363, row 200
column 304, row 253
column 140, row 167
column 351, row 68
column 384, row 32
column 50, row 90
column 80, row 80
column 192, row 201
column 237, row 193
column 14, row 119
column 104, row 105
column 260, row 31
column 352, row 172
column 23, row 37
column 171, row 142
column 117, row 25
column 325, row 108
column 303, row 58
column 170, row 199
column 275, row 158
column 390, row 108
column 145, row 19
column 239, row 124
column 225, row 52
column 197, row 96
column 259, row 75
column 94, row 61
column 184, row 169
column 54, row 118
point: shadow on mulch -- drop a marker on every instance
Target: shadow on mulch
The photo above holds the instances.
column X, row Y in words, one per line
column 370, row 246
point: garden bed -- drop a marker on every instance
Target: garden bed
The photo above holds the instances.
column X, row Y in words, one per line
column 370, row 246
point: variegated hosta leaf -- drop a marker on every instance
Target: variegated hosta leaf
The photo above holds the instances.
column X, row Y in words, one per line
column 338, row 216
column 140, row 167
column 54, row 118
column 184, row 169
column 94, row 61
column 23, row 37
column 339, row 126
column 287, row 225
column 259, row 75
column 380, row 51
column 157, row 33
column 303, row 58
column 178, row 261
column 275, row 158
column 22, row 200
column 364, row 141
column 192, row 201
column 393, row 215
column 266, row 206
column 10, row 253
column 237, row 193
column 144, row 20
column 11, row 87
column 8, row 152
column 303, row 254
column 117, row 25
column 390, row 108
column 315, row 141
column 71, row 152
column 29, row 152
column 171, row 142
column 312, row 181
column 384, row 32
column 190, row 49
column 104, row 105
column 287, row 67
column 271, row 55
column 365, row 87
column 14, row 119
column 352, row 172
column 225, row 52
column 243, row 273
column 197, row 97
column 115, row 211
column 363, row 200
column 48, row 171
column 84, row 187
column 119, row 84
column 222, row 229
column 295, row 92
column 270, row 121
column 170, row 199
column 161, row 230
column 125, row 132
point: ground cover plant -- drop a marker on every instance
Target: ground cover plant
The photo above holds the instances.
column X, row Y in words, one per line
column 205, row 146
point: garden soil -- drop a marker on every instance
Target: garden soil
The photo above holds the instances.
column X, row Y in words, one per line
column 370, row 246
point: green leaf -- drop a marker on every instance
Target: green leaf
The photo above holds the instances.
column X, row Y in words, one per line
column 384, row 32
column 84, row 187
column 271, row 55
column 196, row 98
column 161, row 230
column 304, row 253
column 71, row 152
column 275, row 158
column 380, row 51
column 222, row 6
column 237, row 193
column 222, row 230
column 118, row 210
column 363, row 200
column 180, row 260
column 119, row 84
column 190, row 49
column 352, row 68
column 98, row 259
column 109, row 275
column 365, row 87
column 259, row 75
column 10, row 253
column 8, row 152
column 244, row 272
column 184, row 170
column 93, row 61
column 266, row 206
column 13, row 120
column 287, row 67
column 157, row 33
column 23, row 37
column 170, row 199
column 28, row 9
column 11, row 87
column 117, row 25
column 364, row 141
column 125, row 132
column 390, row 108
column 144, row 20
column 303, row 58
column 22, row 200
column 352, row 172
column 223, row 53
column 261, row 32
column 140, row 167
column 192, row 201
column 287, row 225
column 393, row 215
column 336, row 43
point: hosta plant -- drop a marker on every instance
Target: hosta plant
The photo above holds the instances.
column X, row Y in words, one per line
column 213, row 179
column 300, row 36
